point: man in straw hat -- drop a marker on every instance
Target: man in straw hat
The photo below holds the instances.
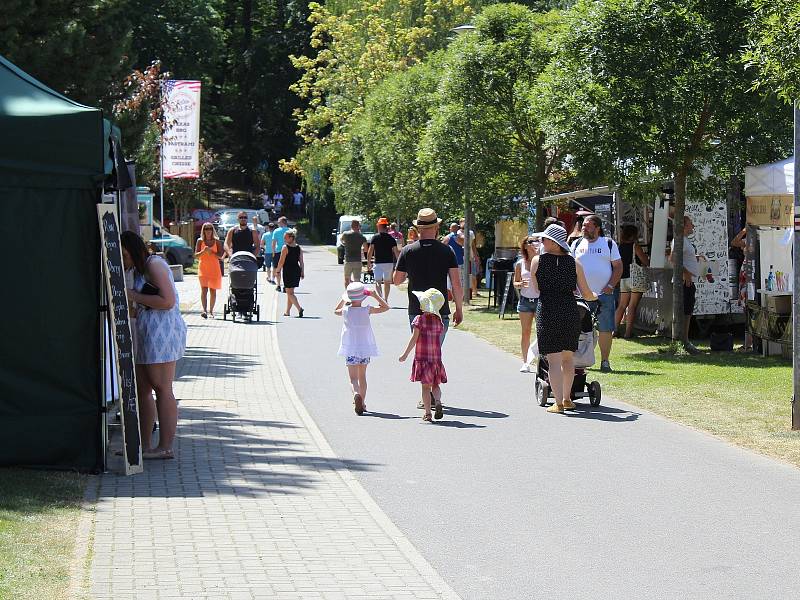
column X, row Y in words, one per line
column 427, row 263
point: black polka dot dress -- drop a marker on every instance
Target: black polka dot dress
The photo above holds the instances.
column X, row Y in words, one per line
column 557, row 318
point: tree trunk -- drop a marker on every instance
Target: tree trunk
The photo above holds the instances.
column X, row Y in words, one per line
column 677, row 256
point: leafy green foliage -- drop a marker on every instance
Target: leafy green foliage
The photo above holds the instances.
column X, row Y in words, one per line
column 774, row 49
column 77, row 47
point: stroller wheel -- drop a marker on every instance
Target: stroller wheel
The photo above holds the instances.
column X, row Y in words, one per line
column 542, row 392
column 225, row 313
column 258, row 313
column 595, row 393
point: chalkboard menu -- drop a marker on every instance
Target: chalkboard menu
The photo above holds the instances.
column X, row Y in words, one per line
column 507, row 291
column 114, row 274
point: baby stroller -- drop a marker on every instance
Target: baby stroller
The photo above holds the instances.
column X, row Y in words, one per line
column 584, row 358
column 243, row 290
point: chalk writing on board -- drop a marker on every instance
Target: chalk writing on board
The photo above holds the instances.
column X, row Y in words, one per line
column 121, row 329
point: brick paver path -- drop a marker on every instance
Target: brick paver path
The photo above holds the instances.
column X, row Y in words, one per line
column 255, row 505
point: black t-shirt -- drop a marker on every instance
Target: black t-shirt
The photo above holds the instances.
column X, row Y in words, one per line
column 383, row 246
column 427, row 264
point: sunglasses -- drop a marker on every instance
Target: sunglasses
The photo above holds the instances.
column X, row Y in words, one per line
column 245, row 218
column 531, row 242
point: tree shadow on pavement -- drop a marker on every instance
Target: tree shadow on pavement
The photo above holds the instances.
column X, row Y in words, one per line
column 219, row 454
column 468, row 412
column 604, row 413
column 203, row 362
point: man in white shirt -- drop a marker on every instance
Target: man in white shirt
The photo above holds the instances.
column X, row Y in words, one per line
column 691, row 271
column 602, row 264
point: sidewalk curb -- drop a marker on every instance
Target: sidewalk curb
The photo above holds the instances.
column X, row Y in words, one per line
column 79, row 571
column 431, row 577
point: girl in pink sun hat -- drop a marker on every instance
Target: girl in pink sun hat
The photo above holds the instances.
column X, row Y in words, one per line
column 357, row 343
column 428, row 368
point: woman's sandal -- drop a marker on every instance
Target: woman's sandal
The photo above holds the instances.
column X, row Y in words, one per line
column 286, row 315
column 427, row 417
column 301, row 313
column 158, row 454
column 204, row 315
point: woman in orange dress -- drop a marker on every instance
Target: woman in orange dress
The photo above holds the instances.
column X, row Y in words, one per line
column 209, row 251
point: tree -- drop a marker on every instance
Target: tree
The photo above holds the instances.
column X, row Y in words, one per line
column 76, row 47
column 355, row 49
column 656, row 89
column 773, row 49
column 395, row 115
column 496, row 71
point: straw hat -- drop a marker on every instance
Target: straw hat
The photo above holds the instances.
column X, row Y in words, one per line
column 430, row 301
column 426, row 217
column 556, row 233
column 356, row 292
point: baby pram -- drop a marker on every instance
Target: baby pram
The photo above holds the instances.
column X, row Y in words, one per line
column 584, row 358
column 243, row 291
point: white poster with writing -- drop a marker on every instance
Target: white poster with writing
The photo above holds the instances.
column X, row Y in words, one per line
column 181, row 144
column 710, row 239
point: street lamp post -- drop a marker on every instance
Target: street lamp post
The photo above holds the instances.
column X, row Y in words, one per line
column 466, row 279
column 796, row 275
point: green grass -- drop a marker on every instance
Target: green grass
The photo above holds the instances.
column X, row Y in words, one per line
column 741, row 397
column 39, row 513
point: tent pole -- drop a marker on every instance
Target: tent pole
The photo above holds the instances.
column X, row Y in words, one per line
column 796, row 274
column 161, row 161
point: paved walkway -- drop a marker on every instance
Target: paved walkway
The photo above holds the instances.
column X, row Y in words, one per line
column 256, row 504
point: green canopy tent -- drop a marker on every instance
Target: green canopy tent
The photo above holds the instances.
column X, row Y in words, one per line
column 52, row 165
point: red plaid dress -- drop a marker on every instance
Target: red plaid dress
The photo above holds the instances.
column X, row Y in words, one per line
column 428, row 367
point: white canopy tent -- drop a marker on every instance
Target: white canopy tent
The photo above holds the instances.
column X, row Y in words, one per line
column 774, row 179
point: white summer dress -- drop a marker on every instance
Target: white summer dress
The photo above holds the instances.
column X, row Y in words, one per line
column 160, row 334
column 358, row 340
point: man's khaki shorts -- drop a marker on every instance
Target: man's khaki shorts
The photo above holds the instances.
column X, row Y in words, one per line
column 352, row 271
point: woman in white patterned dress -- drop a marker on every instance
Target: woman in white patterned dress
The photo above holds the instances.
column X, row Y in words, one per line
column 160, row 343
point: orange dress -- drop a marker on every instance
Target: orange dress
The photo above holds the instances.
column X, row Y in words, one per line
column 209, row 272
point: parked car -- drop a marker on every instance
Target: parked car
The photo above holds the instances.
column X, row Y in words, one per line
column 229, row 218
column 174, row 247
column 200, row 216
column 367, row 228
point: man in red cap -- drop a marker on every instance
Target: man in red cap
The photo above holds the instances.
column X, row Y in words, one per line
column 381, row 256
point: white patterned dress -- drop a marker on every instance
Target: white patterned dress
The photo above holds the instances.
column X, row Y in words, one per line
column 160, row 334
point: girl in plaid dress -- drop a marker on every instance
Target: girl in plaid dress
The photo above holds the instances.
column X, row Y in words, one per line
column 428, row 368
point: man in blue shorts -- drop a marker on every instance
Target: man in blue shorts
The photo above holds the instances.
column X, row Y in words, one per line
column 602, row 264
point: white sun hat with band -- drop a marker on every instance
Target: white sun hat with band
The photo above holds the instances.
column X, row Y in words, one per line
column 555, row 233
column 356, row 292
column 426, row 217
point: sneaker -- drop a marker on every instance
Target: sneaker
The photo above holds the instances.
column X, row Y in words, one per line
column 691, row 348
column 569, row 405
column 525, row 368
column 605, row 366
column 277, row 288
column 421, row 405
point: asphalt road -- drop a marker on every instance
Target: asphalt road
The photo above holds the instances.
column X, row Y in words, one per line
column 507, row 501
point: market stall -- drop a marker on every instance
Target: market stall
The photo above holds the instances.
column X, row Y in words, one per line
column 769, row 190
column 54, row 157
column 714, row 229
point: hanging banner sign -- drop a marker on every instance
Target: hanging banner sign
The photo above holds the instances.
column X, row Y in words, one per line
column 770, row 211
column 181, row 143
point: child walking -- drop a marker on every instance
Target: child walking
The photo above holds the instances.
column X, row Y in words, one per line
column 358, row 342
column 428, row 368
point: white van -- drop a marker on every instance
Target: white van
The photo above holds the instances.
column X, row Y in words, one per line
column 367, row 228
